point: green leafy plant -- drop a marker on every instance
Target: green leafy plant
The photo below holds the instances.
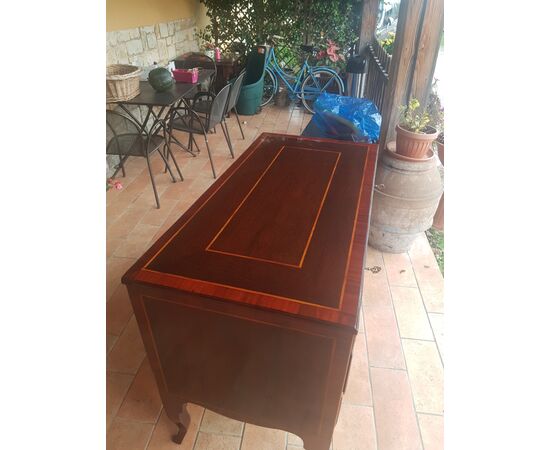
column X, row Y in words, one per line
column 412, row 119
column 387, row 43
column 244, row 24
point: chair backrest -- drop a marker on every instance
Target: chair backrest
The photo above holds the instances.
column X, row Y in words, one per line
column 235, row 91
column 218, row 108
column 196, row 59
column 122, row 135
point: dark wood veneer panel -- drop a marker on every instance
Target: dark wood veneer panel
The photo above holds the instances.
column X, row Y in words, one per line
column 269, row 228
column 262, row 361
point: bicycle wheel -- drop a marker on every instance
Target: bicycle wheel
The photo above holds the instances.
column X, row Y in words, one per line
column 270, row 87
column 317, row 82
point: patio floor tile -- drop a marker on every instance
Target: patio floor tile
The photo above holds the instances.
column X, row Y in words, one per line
column 436, row 321
column 433, row 299
column 119, row 311
column 355, row 429
column 358, row 390
column 128, row 435
column 259, row 438
column 431, row 429
column 111, row 340
column 426, row 375
column 128, row 352
column 208, row 441
column 399, row 269
column 156, row 217
column 117, row 386
column 292, row 439
column 142, row 402
column 116, row 267
column 382, row 334
column 137, row 241
column 161, row 439
column 394, row 415
column 216, row 423
column 411, row 316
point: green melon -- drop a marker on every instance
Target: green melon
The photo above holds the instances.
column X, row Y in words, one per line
column 161, row 79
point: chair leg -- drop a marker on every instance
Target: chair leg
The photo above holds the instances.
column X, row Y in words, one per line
column 167, row 143
column 153, row 182
column 238, row 121
column 190, row 142
column 227, row 138
column 121, row 163
column 167, row 165
column 210, row 155
column 196, row 145
column 175, row 163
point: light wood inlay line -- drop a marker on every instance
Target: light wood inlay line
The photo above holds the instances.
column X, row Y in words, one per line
column 300, row 263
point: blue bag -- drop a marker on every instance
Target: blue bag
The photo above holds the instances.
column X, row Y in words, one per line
column 360, row 112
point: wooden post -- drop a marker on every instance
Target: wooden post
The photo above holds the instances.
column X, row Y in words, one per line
column 417, row 39
column 368, row 23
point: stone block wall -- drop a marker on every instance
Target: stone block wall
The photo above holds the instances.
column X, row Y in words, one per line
column 146, row 45
column 154, row 43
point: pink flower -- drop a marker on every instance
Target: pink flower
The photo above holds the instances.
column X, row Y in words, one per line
column 334, row 58
column 321, row 54
column 115, row 184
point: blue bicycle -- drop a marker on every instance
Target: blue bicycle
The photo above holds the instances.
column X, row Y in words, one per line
column 307, row 85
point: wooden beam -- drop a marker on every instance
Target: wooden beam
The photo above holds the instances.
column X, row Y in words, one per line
column 418, row 35
column 368, row 23
column 428, row 49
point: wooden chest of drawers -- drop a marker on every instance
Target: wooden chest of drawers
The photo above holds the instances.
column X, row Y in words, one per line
column 248, row 304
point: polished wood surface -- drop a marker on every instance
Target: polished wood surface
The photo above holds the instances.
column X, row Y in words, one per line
column 237, row 242
column 248, row 304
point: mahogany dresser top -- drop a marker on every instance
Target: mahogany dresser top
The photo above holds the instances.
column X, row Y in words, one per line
column 284, row 228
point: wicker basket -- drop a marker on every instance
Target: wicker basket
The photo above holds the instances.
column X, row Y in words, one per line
column 122, row 82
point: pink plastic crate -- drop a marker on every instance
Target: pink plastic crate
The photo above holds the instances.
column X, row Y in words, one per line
column 186, row 75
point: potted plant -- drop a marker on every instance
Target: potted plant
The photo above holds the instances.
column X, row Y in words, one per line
column 414, row 135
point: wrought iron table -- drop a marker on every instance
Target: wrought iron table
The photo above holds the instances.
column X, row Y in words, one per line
column 248, row 305
column 163, row 102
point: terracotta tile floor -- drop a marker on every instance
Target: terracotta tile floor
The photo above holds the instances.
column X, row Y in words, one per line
column 394, row 398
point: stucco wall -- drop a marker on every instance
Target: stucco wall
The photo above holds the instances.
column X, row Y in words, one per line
column 124, row 14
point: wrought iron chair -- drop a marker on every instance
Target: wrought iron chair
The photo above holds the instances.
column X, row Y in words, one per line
column 196, row 59
column 202, row 106
column 124, row 139
column 189, row 121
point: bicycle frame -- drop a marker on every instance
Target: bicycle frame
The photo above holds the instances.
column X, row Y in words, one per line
column 278, row 72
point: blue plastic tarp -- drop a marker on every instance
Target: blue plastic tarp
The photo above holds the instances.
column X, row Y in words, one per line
column 362, row 115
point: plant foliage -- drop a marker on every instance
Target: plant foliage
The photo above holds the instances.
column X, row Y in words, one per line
column 387, row 43
column 239, row 25
column 412, row 119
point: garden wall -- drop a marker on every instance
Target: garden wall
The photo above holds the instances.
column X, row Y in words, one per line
column 142, row 46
